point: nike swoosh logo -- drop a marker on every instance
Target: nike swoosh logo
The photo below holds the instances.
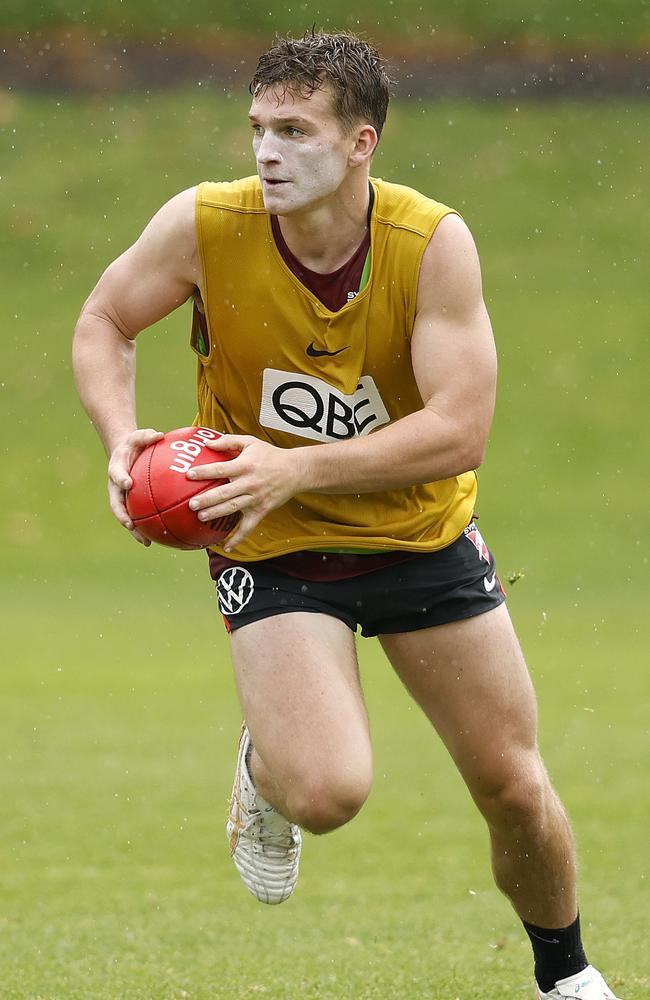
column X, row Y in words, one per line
column 490, row 584
column 313, row 352
column 545, row 940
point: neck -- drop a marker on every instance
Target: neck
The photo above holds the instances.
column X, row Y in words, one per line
column 324, row 236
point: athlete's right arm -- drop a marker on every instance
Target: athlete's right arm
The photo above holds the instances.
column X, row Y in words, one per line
column 147, row 282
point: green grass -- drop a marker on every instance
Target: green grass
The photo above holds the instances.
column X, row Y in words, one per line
column 120, row 716
column 118, row 753
column 612, row 22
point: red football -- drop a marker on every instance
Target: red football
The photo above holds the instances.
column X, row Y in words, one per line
column 158, row 501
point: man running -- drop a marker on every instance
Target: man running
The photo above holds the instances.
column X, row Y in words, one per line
column 345, row 350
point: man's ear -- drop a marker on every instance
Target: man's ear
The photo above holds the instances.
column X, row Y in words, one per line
column 364, row 146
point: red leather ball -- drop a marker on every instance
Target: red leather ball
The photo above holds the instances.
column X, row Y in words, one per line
column 158, row 501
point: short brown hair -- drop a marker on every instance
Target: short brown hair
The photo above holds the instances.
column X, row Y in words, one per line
column 352, row 67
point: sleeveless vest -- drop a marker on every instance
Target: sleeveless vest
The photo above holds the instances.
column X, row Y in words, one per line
column 276, row 363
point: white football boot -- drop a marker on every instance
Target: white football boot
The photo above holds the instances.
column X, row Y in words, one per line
column 585, row 985
column 264, row 845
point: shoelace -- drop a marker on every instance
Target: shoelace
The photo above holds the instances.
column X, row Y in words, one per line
column 273, row 831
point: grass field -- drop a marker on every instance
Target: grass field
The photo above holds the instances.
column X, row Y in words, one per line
column 120, row 718
column 613, row 22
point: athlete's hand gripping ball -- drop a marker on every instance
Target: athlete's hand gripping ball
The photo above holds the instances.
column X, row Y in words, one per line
column 158, row 499
column 262, row 478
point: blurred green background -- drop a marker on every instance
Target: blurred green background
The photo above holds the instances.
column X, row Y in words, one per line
column 608, row 21
column 120, row 718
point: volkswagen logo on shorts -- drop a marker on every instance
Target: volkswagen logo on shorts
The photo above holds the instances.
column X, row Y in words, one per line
column 234, row 589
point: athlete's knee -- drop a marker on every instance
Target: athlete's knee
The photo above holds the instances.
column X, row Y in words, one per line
column 324, row 802
column 516, row 796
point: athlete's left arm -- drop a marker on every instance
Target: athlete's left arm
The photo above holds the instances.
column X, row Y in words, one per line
column 454, row 363
column 453, row 352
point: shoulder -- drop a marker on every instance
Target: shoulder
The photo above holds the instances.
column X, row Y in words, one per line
column 243, row 195
column 450, row 273
column 405, row 208
column 171, row 233
column 450, row 245
column 174, row 221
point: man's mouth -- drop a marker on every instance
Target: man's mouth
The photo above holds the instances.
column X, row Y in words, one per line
column 273, row 182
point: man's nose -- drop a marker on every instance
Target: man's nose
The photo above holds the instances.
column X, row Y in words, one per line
column 267, row 151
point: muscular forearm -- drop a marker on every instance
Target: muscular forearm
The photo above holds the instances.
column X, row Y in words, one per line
column 419, row 448
column 104, row 369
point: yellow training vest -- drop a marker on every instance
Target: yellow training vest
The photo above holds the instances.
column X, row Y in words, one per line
column 267, row 371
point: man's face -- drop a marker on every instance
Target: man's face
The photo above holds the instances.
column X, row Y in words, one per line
column 301, row 151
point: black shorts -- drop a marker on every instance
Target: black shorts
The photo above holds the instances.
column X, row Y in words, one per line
column 398, row 592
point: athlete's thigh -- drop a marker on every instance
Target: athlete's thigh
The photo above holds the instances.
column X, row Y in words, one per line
column 299, row 688
column 471, row 680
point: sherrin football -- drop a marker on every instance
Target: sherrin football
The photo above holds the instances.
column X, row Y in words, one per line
column 158, row 501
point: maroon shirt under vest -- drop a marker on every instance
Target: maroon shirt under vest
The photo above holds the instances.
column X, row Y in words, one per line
column 338, row 287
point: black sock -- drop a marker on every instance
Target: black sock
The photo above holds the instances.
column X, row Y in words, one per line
column 558, row 953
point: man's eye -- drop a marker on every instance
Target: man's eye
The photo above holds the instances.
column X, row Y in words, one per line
column 257, row 129
column 291, row 130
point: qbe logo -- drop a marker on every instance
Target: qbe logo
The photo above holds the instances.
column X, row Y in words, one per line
column 234, row 590
column 312, row 408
